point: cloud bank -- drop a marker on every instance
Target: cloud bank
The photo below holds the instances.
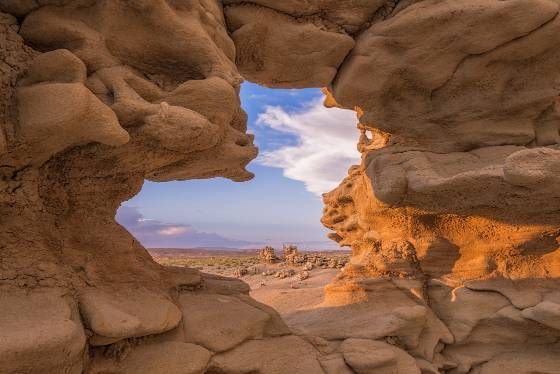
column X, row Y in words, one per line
column 326, row 146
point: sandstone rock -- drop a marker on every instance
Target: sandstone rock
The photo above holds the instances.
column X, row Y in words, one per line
column 303, row 275
column 386, row 312
column 519, row 294
column 335, row 365
column 449, row 175
column 413, row 175
column 375, row 357
column 40, row 333
column 533, row 167
column 181, row 130
column 59, row 66
column 56, row 116
column 184, row 277
column 240, row 272
column 434, row 335
column 19, row 7
column 289, row 354
column 225, row 286
column 412, row 29
column 220, row 322
column 504, row 332
column 214, row 98
column 546, row 360
column 268, row 255
column 162, row 358
column 394, row 257
column 277, row 51
column 276, row 326
column 545, row 312
column 349, row 15
column 204, row 58
column 336, row 263
column 113, row 316
column 455, row 199
column 461, row 309
column 291, row 255
column 426, row 367
column 283, row 274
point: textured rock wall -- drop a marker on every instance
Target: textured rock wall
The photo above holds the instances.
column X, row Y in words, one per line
column 98, row 96
column 452, row 216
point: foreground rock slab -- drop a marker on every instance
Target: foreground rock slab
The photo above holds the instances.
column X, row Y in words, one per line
column 220, row 322
column 375, row 357
column 118, row 315
column 161, row 358
column 40, row 332
column 288, row 354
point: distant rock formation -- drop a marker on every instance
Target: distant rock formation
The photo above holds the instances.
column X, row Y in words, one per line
column 453, row 215
column 268, row 255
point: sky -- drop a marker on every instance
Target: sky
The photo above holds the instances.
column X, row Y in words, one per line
column 305, row 150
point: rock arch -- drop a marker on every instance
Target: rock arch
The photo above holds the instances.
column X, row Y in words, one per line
column 452, row 216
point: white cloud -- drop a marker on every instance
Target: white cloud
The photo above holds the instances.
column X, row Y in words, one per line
column 326, row 147
column 173, row 230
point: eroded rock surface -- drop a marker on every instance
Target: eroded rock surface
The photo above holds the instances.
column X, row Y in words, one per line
column 96, row 98
column 456, row 190
column 41, row 332
column 221, row 322
column 374, row 357
column 456, row 200
column 452, row 215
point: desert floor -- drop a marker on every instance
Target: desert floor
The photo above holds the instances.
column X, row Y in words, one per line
column 279, row 285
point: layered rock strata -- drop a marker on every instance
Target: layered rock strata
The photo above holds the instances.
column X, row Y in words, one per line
column 452, row 215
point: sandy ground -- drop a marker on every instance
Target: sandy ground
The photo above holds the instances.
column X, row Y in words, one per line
column 221, row 262
column 288, row 296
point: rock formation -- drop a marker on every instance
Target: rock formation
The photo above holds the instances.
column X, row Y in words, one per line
column 268, row 255
column 291, row 255
column 456, row 200
column 98, row 97
column 453, row 215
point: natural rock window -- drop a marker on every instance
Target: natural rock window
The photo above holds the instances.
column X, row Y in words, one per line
column 452, row 215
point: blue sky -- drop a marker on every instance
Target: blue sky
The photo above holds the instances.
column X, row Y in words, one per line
column 304, row 150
